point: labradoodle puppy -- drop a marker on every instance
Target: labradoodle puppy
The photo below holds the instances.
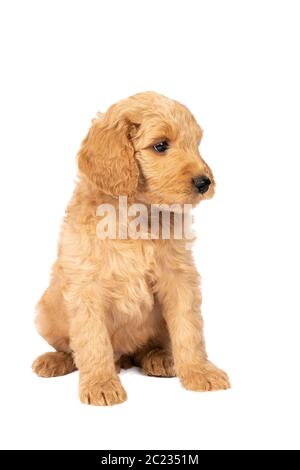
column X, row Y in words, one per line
column 117, row 300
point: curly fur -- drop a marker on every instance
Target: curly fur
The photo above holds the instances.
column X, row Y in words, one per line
column 113, row 302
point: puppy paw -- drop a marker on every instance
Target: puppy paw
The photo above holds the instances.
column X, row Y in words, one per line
column 158, row 363
column 53, row 364
column 205, row 377
column 102, row 393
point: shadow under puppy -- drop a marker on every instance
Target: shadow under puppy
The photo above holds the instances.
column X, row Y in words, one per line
column 111, row 299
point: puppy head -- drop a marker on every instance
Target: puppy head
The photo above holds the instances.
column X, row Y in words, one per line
column 167, row 150
column 147, row 146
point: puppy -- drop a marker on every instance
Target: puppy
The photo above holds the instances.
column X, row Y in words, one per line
column 117, row 300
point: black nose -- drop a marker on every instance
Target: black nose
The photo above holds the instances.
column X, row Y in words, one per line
column 202, row 183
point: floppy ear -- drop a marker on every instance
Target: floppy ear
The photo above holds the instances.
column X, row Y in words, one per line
column 107, row 158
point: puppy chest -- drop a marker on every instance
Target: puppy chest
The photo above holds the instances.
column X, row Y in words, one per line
column 131, row 297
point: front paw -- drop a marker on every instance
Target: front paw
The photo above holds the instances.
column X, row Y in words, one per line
column 204, row 377
column 102, row 393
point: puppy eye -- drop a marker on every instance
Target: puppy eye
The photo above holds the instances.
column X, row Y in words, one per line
column 161, row 147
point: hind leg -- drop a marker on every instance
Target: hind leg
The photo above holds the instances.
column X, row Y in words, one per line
column 54, row 364
column 123, row 363
column 155, row 361
column 155, row 358
column 53, row 325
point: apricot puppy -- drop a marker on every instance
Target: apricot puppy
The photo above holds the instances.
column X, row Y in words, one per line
column 130, row 297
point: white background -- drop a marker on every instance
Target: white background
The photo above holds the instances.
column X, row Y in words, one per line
column 236, row 65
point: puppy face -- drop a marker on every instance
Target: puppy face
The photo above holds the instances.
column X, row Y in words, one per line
column 147, row 146
column 166, row 147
